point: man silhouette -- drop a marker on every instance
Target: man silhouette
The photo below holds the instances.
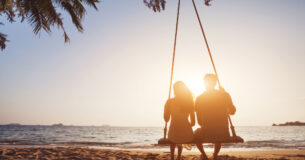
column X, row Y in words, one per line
column 212, row 108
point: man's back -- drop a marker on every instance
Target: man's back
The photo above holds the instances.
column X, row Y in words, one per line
column 212, row 109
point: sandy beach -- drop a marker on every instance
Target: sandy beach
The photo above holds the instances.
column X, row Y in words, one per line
column 48, row 153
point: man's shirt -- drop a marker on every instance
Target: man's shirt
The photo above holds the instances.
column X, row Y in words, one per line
column 212, row 108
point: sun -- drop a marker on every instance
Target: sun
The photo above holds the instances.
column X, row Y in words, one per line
column 196, row 86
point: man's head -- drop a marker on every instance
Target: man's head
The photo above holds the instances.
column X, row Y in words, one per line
column 210, row 81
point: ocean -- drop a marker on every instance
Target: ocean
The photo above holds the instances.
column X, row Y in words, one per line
column 256, row 138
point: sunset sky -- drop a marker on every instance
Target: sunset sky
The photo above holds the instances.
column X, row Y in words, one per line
column 117, row 72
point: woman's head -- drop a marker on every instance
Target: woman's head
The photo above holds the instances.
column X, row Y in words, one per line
column 184, row 96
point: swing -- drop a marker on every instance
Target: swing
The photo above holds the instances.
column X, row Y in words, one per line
column 232, row 139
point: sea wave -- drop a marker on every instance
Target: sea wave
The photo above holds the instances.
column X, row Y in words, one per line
column 129, row 145
column 142, row 137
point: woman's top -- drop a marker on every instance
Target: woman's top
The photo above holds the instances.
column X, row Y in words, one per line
column 180, row 130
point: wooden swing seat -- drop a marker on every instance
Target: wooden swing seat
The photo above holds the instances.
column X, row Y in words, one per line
column 231, row 139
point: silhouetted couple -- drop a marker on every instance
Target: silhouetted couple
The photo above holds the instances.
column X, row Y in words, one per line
column 212, row 108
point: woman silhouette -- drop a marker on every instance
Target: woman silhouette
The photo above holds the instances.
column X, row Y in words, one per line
column 179, row 109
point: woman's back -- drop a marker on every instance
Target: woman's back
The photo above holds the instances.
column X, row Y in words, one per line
column 180, row 130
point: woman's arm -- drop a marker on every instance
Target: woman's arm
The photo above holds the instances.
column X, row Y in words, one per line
column 199, row 121
column 193, row 121
column 166, row 115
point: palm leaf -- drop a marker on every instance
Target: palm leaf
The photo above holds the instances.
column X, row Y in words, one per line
column 3, row 41
column 158, row 5
column 44, row 14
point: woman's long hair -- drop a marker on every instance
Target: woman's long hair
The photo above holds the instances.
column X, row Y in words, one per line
column 184, row 97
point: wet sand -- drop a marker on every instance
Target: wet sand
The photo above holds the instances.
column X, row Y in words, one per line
column 78, row 153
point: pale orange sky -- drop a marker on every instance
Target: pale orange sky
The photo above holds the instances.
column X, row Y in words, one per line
column 118, row 71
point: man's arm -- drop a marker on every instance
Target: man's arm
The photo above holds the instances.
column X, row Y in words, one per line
column 229, row 103
column 198, row 112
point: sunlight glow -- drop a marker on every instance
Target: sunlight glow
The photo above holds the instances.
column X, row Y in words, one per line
column 196, row 86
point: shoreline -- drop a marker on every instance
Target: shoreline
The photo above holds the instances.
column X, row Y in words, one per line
column 148, row 148
column 77, row 152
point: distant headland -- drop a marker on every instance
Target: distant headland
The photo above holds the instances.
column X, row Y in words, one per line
column 296, row 123
column 54, row 125
column 13, row 124
column 58, row 125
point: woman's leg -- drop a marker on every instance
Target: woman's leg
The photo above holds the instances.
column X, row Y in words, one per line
column 200, row 148
column 179, row 151
column 217, row 147
column 172, row 148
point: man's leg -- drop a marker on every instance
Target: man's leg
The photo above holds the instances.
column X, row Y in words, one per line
column 217, row 147
column 172, row 148
column 200, row 148
column 179, row 151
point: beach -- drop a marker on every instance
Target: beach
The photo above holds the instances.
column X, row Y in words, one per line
column 85, row 153
column 86, row 142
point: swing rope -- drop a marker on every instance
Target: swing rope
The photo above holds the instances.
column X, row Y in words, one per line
column 211, row 58
column 173, row 62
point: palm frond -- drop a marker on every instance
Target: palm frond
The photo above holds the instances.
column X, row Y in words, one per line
column 74, row 14
column 6, row 8
column 92, row 3
column 158, row 5
column 155, row 5
column 207, row 2
column 3, row 41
